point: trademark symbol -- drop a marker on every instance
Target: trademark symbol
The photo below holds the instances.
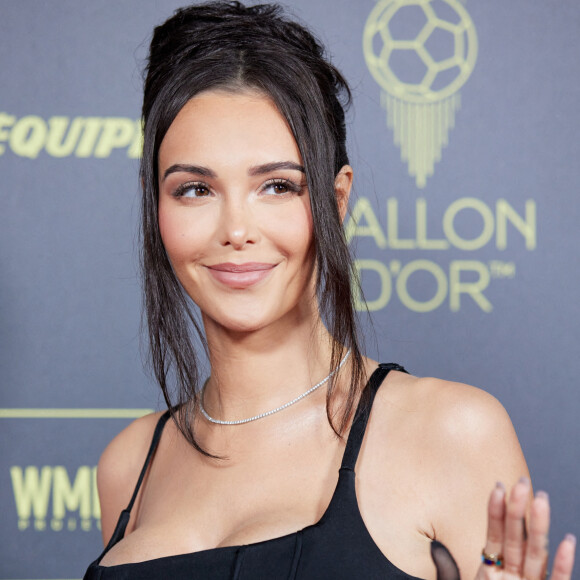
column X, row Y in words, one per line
column 499, row 269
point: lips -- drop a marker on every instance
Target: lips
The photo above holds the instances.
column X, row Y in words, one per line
column 240, row 276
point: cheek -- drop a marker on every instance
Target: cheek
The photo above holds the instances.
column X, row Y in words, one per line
column 293, row 230
column 182, row 240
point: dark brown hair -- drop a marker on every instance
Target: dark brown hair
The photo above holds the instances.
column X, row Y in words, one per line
column 226, row 45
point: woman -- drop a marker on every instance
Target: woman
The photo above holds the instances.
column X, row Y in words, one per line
column 246, row 181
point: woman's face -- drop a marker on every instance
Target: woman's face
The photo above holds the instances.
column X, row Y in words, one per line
column 234, row 211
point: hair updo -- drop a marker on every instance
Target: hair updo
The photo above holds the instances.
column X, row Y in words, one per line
column 228, row 46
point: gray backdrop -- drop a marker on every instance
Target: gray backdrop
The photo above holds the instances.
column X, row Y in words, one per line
column 469, row 263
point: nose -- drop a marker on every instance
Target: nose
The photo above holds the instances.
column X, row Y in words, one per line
column 238, row 224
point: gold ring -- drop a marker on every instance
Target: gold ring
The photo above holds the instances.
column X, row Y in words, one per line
column 491, row 559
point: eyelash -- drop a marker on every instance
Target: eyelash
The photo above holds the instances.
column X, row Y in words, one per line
column 291, row 186
column 182, row 189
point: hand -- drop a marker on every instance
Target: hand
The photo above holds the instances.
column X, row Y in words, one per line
column 521, row 557
column 506, row 535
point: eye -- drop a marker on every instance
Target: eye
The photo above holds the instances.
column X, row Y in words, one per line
column 280, row 187
column 192, row 189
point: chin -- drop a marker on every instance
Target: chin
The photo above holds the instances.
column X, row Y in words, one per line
column 242, row 322
column 243, row 326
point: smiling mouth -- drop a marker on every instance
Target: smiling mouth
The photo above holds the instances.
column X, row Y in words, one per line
column 238, row 268
column 240, row 276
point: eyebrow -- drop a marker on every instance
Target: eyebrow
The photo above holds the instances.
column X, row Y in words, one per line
column 269, row 167
column 185, row 168
column 255, row 170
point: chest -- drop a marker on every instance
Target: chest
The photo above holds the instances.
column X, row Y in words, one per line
column 247, row 497
column 197, row 506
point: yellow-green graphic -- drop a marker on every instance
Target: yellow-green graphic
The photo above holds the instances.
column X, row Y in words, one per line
column 74, row 500
column 420, row 52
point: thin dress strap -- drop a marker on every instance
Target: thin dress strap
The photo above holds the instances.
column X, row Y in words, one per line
column 123, row 520
column 359, row 424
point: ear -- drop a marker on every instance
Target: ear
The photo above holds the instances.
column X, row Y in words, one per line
column 342, row 187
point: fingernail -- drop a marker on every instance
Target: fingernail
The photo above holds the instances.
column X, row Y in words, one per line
column 542, row 494
column 570, row 538
column 524, row 480
column 500, row 485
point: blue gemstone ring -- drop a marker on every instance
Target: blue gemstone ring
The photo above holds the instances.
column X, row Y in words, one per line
column 490, row 559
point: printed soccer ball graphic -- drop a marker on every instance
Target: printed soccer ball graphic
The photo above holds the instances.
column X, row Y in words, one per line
column 420, row 50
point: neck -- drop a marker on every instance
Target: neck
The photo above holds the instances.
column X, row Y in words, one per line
column 257, row 371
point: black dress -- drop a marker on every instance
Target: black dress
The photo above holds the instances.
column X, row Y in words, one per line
column 337, row 547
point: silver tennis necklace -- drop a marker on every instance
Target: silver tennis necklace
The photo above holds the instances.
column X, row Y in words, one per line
column 277, row 409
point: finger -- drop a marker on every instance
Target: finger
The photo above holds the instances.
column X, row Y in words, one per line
column 514, row 544
column 495, row 520
column 564, row 559
column 536, row 548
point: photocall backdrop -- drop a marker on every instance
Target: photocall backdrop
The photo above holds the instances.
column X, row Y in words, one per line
column 465, row 225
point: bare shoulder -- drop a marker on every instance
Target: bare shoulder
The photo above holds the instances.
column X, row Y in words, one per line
column 449, row 430
column 119, row 468
column 440, row 447
column 461, row 415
